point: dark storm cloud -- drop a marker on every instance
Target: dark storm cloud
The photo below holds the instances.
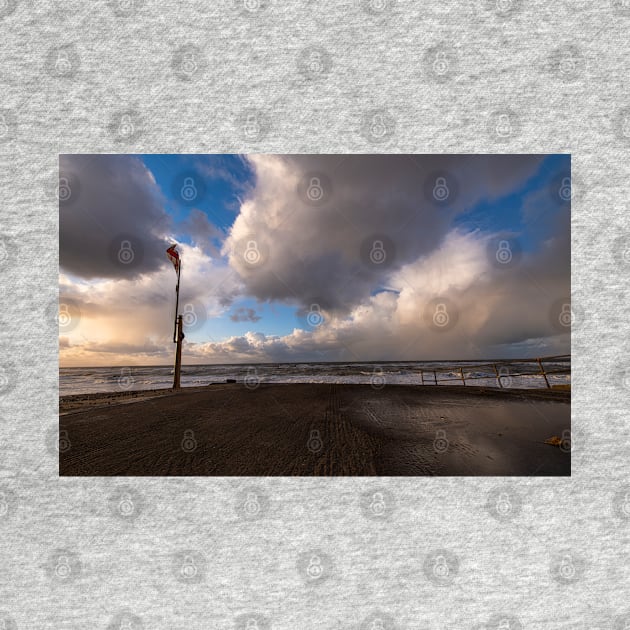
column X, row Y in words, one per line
column 110, row 218
column 320, row 247
column 203, row 233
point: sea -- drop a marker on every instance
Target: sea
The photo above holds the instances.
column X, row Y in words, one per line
column 512, row 374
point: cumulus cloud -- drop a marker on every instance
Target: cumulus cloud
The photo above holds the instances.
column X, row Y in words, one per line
column 112, row 217
column 243, row 314
column 318, row 249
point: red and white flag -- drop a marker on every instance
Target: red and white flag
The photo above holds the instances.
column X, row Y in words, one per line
column 173, row 256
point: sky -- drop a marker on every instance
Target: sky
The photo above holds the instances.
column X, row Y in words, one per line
column 299, row 258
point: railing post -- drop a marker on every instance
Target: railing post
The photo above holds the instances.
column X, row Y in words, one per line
column 435, row 377
column 461, row 369
column 542, row 371
column 422, row 376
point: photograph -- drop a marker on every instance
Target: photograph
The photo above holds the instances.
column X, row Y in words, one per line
column 263, row 315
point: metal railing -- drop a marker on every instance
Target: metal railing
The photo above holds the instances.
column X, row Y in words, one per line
column 500, row 371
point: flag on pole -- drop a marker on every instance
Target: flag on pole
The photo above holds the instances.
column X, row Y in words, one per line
column 173, row 256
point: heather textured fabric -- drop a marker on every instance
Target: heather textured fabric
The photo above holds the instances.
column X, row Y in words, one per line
column 262, row 76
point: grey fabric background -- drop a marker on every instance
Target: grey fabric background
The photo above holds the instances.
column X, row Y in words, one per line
column 557, row 556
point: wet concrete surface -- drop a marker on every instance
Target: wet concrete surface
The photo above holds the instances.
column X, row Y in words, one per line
column 318, row 430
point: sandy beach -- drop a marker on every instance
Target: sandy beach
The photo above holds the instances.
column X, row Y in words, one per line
column 317, row 429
